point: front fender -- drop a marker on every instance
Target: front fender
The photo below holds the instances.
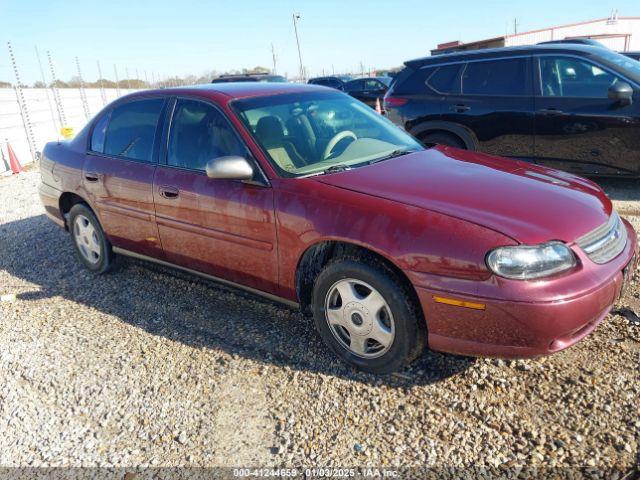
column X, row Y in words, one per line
column 412, row 238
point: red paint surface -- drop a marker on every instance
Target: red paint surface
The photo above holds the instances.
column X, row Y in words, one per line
column 434, row 214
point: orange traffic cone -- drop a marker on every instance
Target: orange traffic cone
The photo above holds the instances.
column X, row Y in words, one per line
column 378, row 107
column 13, row 160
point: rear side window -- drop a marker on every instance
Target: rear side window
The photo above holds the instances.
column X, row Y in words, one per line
column 446, row 79
column 99, row 132
column 132, row 129
column 496, row 77
column 411, row 82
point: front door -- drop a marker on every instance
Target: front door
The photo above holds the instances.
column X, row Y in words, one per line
column 118, row 174
column 578, row 128
column 373, row 91
column 224, row 228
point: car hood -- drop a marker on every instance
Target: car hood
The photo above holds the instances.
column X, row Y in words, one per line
column 529, row 203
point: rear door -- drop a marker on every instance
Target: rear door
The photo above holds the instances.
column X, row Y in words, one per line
column 494, row 101
column 578, row 128
column 119, row 170
column 224, row 228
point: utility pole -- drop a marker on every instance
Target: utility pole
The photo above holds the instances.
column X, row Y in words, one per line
column 296, row 17
column 273, row 55
column 515, row 26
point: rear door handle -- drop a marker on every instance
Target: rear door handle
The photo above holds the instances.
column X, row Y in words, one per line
column 460, row 108
column 92, row 177
column 550, row 111
column 169, row 192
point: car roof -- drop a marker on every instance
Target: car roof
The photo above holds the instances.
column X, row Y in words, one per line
column 368, row 78
column 503, row 52
column 337, row 77
column 233, row 90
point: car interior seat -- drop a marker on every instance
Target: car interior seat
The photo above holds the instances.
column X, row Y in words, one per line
column 270, row 132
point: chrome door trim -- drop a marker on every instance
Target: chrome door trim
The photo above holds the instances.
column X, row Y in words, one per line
column 229, row 283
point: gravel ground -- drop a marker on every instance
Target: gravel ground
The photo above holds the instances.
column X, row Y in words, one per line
column 145, row 366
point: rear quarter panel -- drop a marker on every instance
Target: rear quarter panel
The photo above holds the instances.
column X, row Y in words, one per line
column 61, row 171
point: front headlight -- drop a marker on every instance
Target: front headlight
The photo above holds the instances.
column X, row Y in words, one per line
column 524, row 262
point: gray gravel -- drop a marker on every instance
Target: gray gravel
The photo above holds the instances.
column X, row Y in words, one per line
column 145, row 366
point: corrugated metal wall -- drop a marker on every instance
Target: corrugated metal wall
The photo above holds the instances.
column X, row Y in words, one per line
column 627, row 31
column 44, row 127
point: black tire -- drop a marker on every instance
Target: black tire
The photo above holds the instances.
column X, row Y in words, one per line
column 106, row 256
column 442, row 138
column 410, row 329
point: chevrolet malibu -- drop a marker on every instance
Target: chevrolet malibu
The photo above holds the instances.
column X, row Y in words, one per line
column 303, row 194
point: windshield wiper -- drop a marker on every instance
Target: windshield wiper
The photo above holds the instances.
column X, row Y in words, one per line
column 337, row 168
column 396, row 153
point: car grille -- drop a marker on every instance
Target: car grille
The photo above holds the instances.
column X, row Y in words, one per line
column 606, row 242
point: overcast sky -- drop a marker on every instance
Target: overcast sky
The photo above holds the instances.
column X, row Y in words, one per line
column 187, row 36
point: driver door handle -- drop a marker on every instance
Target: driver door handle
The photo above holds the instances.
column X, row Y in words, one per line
column 460, row 108
column 550, row 111
column 169, row 192
column 91, row 177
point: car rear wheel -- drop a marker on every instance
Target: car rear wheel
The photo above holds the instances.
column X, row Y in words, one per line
column 92, row 245
column 442, row 138
column 364, row 313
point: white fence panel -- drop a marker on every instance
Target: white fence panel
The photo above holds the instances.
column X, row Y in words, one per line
column 44, row 125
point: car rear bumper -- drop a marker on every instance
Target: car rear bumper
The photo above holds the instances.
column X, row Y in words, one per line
column 50, row 198
column 521, row 329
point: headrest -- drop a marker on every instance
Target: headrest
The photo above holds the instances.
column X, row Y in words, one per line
column 270, row 131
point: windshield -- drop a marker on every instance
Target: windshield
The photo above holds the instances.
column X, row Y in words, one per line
column 315, row 132
column 626, row 65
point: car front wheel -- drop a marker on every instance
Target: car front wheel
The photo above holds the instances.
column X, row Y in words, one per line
column 364, row 312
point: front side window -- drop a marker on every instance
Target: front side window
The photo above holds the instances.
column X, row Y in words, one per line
column 132, row 129
column 199, row 133
column 496, row 77
column 313, row 132
column 373, row 85
column 571, row 77
column 99, row 133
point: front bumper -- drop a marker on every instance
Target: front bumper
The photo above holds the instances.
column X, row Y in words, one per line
column 534, row 324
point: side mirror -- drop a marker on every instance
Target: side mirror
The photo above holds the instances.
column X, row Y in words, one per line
column 622, row 93
column 230, row 168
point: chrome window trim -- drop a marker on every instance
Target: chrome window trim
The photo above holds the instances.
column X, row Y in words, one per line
column 460, row 74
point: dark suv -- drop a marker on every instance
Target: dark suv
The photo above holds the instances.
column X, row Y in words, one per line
column 573, row 107
column 336, row 82
column 249, row 77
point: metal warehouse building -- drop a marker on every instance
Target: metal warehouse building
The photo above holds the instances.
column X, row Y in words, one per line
column 618, row 33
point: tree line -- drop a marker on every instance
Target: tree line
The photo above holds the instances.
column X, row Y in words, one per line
column 137, row 83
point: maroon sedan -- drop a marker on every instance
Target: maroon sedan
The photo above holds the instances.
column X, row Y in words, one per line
column 304, row 194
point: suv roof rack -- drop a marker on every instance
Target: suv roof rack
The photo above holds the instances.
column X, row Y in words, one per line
column 243, row 74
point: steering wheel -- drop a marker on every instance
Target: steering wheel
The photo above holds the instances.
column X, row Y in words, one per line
column 334, row 141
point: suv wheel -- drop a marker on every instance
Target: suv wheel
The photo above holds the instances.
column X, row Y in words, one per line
column 442, row 138
column 364, row 313
column 89, row 239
